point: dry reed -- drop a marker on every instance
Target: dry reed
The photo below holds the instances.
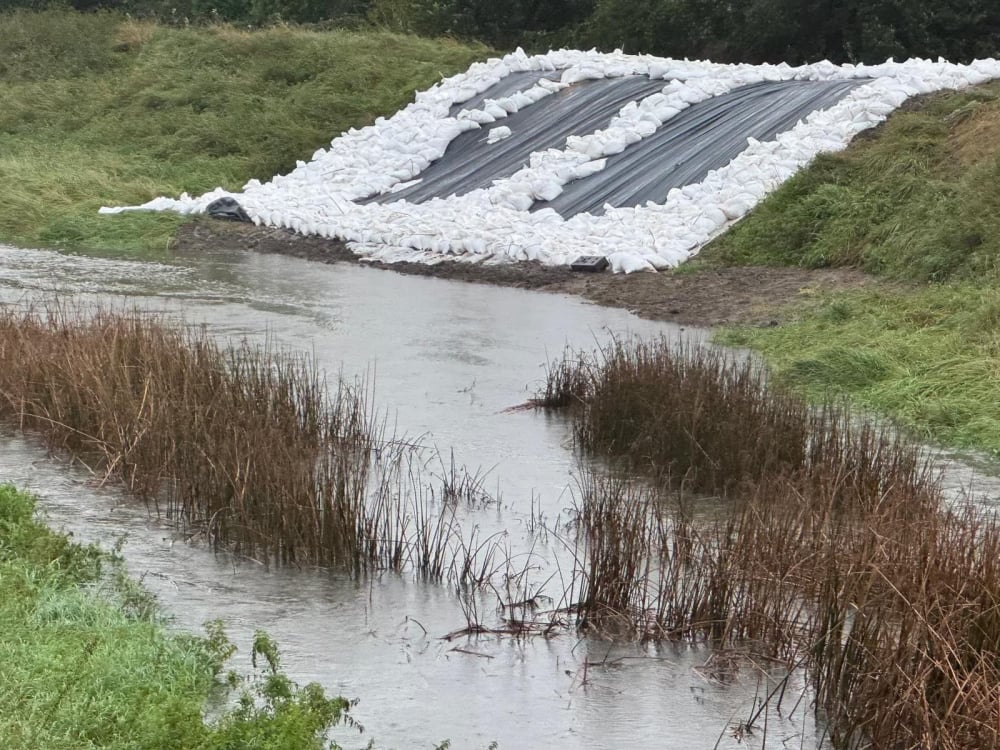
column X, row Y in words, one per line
column 246, row 443
column 688, row 413
column 891, row 604
column 839, row 554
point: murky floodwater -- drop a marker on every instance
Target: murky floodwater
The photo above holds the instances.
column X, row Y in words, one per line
column 446, row 359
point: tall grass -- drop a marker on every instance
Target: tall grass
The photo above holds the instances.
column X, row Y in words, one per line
column 243, row 442
column 654, row 565
column 248, row 445
column 688, row 414
column 890, row 604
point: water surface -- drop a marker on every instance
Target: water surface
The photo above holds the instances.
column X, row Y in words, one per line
column 446, row 360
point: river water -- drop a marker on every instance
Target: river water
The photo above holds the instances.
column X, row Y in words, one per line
column 446, row 359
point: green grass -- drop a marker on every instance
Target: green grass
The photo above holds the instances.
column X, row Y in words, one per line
column 85, row 661
column 929, row 357
column 97, row 109
column 916, row 201
column 919, row 201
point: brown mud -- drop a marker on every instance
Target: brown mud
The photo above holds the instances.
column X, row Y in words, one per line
column 752, row 295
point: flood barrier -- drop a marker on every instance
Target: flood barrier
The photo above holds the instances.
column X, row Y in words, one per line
column 684, row 149
column 551, row 157
column 705, row 137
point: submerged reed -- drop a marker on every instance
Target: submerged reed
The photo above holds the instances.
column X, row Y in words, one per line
column 838, row 553
column 691, row 414
column 890, row 604
column 247, row 444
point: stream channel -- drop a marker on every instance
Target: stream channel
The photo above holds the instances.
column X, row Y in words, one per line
column 446, row 360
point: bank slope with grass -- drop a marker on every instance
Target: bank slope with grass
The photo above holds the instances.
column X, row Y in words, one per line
column 85, row 661
column 918, row 204
column 98, row 109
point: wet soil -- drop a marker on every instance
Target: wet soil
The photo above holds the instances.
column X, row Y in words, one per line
column 699, row 295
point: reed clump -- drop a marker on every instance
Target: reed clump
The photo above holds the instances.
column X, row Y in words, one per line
column 246, row 444
column 841, row 557
column 687, row 413
column 890, row 603
column 242, row 442
column 567, row 382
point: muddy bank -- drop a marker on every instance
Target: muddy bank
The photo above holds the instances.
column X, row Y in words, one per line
column 712, row 296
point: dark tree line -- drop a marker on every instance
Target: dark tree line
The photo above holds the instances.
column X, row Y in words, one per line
column 797, row 31
column 755, row 31
column 252, row 12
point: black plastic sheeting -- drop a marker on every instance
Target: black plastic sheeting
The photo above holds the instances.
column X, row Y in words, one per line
column 706, row 136
column 471, row 163
column 703, row 137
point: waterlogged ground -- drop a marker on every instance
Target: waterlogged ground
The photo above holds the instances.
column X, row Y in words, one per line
column 751, row 295
column 447, row 359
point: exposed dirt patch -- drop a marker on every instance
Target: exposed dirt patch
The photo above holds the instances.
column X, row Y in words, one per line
column 707, row 297
column 711, row 297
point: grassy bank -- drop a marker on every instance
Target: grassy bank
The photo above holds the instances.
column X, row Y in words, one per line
column 929, row 357
column 97, row 109
column 87, row 664
column 915, row 203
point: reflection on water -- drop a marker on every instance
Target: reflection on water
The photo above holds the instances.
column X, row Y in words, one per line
column 447, row 359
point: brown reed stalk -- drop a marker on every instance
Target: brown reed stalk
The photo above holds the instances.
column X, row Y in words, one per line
column 248, row 444
column 839, row 554
column 890, row 604
column 681, row 412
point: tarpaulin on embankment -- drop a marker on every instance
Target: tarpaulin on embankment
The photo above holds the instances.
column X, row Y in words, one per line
column 549, row 157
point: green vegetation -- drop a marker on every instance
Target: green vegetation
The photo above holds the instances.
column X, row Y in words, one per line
column 917, row 203
column 930, row 357
column 85, row 663
column 97, row 109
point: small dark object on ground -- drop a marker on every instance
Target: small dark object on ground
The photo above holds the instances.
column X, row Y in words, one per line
column 227, row 208
column 592, row 263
